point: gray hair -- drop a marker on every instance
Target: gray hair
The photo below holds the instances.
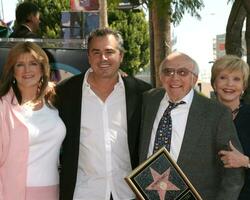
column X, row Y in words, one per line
column 178, row 54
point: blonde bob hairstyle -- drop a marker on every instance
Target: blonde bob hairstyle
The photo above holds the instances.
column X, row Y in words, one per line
column 7, row 80
column 230, row 63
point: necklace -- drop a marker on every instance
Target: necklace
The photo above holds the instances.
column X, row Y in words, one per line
column 236, row 110
column 29, row 105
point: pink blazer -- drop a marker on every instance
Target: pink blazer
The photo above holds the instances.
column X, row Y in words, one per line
column 13, row 150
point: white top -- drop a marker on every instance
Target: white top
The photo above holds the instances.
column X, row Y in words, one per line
column 46, row 133
column 179, row 120
column 104, row 158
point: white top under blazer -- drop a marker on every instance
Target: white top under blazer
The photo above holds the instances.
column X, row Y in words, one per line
column 46, row 133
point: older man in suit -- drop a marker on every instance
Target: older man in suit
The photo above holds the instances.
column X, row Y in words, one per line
column 199, row 128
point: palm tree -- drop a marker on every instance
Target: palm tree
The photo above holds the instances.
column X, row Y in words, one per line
column 161, row 14
column 103, row 20
column 239, row 12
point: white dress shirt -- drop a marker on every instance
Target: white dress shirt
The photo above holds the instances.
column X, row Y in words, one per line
column 179, row 120
column 104, row 158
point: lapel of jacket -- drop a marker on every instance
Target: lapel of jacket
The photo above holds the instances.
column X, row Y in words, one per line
column 131, row 97
column 76, row 94
column 131, row 103
column 193, row 131
column 149, row 112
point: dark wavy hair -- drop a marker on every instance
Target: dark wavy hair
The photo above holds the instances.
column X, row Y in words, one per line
column 24, row 10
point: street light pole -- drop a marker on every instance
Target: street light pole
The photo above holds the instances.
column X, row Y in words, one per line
column 2, row 13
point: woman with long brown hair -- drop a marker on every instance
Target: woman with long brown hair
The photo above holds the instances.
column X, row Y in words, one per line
column 31, row 131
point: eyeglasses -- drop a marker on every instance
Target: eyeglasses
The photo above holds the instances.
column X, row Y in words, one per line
column 183, row 72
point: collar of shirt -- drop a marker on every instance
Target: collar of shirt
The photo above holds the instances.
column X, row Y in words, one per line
column 86, row 85
column 27, row 27
column 187, row 99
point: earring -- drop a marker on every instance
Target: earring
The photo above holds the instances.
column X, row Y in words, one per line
column 14, row 81
column 242, row 93
column 41, row 80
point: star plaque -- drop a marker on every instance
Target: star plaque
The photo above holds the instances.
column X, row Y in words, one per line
column 160, row 178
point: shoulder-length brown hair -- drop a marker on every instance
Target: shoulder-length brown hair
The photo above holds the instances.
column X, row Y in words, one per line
column 7, row 80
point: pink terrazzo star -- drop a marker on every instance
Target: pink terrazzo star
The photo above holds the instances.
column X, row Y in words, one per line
column 161, row 183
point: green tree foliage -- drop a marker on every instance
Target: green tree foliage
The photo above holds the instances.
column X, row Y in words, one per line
column 134, row 29
column 177, row 7
column 50, row 16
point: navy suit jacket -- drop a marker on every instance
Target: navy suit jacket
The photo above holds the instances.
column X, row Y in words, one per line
column 69, row 101
column 209, row 128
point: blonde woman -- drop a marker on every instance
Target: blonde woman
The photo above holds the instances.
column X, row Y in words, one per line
column 229, row 80
column 31, row 131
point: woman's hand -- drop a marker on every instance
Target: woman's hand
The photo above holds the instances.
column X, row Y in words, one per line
column 123, row 74
column 233, row 158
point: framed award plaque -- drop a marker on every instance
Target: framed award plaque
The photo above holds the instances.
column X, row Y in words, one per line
column 160, row 178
